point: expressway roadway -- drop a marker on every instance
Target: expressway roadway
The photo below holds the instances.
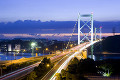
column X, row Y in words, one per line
column 64, row 62
column 21, row 72
column 53, row 71
column 55, row 68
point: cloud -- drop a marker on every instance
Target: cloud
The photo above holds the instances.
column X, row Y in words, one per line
column 48, row 29
column 59, row 36
column 2, row 36
column 29, row 26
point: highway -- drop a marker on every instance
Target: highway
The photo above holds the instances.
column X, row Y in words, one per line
column 63, row 63
column 21, row 72
column 55, row 68
column 24, row 71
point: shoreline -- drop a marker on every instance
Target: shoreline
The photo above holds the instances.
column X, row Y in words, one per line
column 38, row 58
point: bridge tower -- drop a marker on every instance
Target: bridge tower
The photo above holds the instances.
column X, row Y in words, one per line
column 98, row 30
column 85, row 24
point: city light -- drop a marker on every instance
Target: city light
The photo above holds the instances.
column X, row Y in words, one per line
column 71, row 45
column 46, row 49
column 67, row 61
column 106, row 74
column 33, row 44
column 24, row 50
column 48, row 65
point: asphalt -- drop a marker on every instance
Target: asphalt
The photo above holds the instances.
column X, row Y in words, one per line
column 54, row 69
column 21, row 72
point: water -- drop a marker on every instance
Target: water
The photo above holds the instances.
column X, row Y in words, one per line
column 105, row 56
column 13, row 55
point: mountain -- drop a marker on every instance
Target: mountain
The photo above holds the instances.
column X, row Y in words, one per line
column 30, row 26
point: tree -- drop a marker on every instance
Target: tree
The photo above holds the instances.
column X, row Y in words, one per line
column 43, row 67
column 58, row 76
column 40, row 70
column 75, row 61
column 107, row 69
column 72, row 68
column 63, row 73
column 68, row 76
column 32, row 76
column 86, row 66
column 75, row 77
column 46, row 61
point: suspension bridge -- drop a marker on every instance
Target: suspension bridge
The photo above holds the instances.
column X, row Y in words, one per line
column 81, row 38
column 85, row 40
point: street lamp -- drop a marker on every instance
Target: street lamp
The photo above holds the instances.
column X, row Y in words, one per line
column 46, row 49
column 33, row 45
column 71, row 45
column 55, row 49
column 48, row 65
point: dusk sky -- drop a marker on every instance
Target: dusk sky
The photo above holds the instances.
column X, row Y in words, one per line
column 30, row 17
column 58, row 10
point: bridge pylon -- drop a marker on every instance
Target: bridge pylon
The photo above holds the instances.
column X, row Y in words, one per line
column 98, row 30
column 83, row 36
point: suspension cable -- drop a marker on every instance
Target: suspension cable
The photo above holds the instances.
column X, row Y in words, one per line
column 71, row 35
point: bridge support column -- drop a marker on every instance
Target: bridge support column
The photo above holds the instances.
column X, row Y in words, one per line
column 78, row 29
column 100, row 33
column 84, row 53
column 92, row 35
column 95, row 34
column 82, row 37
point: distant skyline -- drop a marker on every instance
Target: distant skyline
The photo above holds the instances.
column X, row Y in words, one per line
column 60, row 30
column 52, row 36
column 58, row 10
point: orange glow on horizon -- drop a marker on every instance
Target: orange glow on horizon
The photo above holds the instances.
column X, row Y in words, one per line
column 53, row 35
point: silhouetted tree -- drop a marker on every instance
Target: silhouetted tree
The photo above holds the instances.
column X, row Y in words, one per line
column 86, row 66
column 32, row 76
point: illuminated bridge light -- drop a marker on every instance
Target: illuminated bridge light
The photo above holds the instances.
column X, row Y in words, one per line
column 68, row 59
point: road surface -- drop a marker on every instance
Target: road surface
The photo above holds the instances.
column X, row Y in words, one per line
column 24, row 71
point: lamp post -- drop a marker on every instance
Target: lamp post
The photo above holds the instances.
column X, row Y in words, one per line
column 46, row 49
column 33, row 45
column 55, row 49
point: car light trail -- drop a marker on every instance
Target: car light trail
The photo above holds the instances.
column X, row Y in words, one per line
column 67, row 61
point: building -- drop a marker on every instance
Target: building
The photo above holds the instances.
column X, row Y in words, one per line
column 17, row 47
column 3, row 48
column 9, row 47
